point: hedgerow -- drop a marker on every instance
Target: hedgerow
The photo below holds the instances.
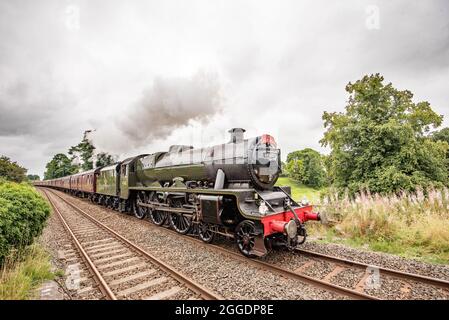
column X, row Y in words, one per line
column 23, row 213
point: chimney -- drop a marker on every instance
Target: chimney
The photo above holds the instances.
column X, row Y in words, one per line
column 236, row 135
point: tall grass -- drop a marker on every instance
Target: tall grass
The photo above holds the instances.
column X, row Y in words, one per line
column 22, row 271
column 414, row 224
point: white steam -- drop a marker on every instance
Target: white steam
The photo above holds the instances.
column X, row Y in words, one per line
column 169, row 104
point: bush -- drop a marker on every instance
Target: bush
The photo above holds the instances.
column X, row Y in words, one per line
column 23, row 213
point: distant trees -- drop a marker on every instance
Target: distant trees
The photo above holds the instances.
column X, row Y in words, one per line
column 33, row 177
column 381, row 141
column 59, row 166
column 11, row 171
column 62, row 165
column 443, row 135
column 104, row 159
column 85, row 150
column 306, row 166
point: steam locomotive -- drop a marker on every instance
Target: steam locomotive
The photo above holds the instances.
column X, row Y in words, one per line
column 227, row 189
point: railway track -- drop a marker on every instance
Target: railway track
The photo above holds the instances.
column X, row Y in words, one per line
column 266, row 266
column 342, row 264
column 121, row 269
column 339, row 265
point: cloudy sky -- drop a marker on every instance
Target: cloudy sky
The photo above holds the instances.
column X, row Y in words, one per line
column 148, row 74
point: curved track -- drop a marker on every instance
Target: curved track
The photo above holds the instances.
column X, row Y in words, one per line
column 444, row 284
column 340, row 264
column 353, row 294
column 122, row 269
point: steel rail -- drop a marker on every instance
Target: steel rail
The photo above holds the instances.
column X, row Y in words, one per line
column 294, row 275
column 391, row 272
column 98, row 277
column 394, row 273
column 191, row 284
column 268, row 267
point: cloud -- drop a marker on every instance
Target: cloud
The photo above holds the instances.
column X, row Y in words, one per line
column 130, row 70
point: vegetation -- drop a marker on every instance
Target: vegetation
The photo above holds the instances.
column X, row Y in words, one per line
column 85, row 150
column 59, row 166
column 382, row 143
column 104, row 159
column 409, row 224
column 11, row 171
column 33, row 177
column 443, row 135
column 23, row 271
column 306, row 167
column 23, row 213
column 387, row 171
column 299, row 191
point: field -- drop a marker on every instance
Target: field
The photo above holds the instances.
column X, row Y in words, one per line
column 408, row 225
column 300, row 191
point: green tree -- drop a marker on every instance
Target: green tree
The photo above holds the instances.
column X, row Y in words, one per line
column 11, row 170
column 307, row 167
column 33, row 177
column 59, row 166
column 104, row 159
column 381, row 140
column 85, row 149
column 443, row 135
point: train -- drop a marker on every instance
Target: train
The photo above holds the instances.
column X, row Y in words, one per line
column 227, row 189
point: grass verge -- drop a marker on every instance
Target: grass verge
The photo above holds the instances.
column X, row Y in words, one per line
column 299, row 191
column 409, row 225
column 23, row 271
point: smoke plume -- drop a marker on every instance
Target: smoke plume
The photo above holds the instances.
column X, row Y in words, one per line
column 170, row 104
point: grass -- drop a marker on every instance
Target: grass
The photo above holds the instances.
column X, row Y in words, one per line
column 300, row 191
column 409, row 225
column 22, row 273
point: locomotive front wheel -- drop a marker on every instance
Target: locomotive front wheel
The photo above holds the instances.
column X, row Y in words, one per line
column 140, row 212
column 245, row 236
column 205, row 233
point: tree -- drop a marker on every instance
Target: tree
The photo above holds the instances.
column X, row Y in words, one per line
column 104, row 159
column 381, row 141
column 306, row 166
column 443, row 136
column 11, row 170
column 85, row 149
column 33, row 177
column 59, row 166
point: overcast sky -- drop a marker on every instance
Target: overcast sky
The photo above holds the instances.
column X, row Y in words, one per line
column 148, row 74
